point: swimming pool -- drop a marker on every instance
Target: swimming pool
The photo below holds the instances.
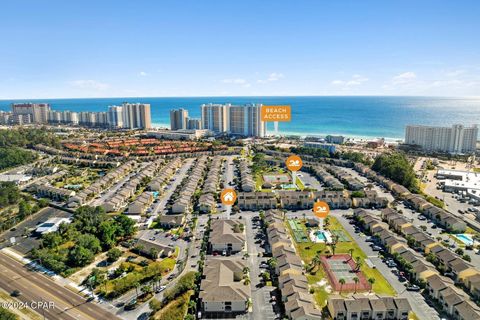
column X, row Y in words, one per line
column 321, row 236
column 465, row 238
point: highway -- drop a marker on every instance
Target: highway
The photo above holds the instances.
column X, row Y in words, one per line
column 35, row 287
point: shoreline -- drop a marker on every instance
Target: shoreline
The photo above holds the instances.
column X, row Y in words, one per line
column 309, row 134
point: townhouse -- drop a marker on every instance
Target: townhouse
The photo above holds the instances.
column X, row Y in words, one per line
column 153, row 249
column 222, row 291
column 140, row 204
column 257, row 200
column 350, row 181
column 227, row 236
column 101, row 184
column 375, row 307
column 247, row 183
column 292, row 282
column 183, row 203
column 328, row 180
column 47, row 191
column 164, row 174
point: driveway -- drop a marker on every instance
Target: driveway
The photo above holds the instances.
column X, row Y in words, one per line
column 262, row 307
column 416, row 300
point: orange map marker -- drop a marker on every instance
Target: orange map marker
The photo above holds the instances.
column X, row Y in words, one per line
column 228, row 197
column 294, row 163
column 321, row 209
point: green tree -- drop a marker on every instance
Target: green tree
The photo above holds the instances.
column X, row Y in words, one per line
column 396, row 166
column 371, row 281
column 80, row 256
column 342, row 283
column 356, row 280
column 113, row 254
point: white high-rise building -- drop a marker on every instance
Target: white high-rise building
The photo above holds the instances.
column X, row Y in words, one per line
column 233, row 119
column 115, row 116
column 456, row 139
column 38, row 112
column 178, row 119
column 136, row 116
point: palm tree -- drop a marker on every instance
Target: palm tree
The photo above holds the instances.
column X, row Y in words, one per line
column 350, row 252
column 136, row 284
column 358, row 263
column 147, row 289
column 246, row 280
column 333, row 244
column 272, row 262
column 304, row 217
column 156, row 281
column 315, row 261
column 356, row 280
column 246, row 270
column 342, row 283
column 371, row 281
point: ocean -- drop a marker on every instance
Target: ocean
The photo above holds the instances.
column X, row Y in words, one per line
column 352, row 116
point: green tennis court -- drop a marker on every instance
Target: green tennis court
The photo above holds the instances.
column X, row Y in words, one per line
column 298, row 231
column 342, row 237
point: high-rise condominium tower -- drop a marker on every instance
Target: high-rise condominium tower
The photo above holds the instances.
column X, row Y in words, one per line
column 456, row 139
column 38, row 112
column 178, row 119
column 242, row 120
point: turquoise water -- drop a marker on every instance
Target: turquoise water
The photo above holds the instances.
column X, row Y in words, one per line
column 320, row 236
column 351, row 116
column 465, row 238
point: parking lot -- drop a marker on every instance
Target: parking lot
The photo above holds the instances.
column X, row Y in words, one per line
column 25, row 240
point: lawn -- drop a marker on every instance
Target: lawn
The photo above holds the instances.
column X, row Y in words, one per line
column 115, row 287
column 175, row 309
column 308, row 250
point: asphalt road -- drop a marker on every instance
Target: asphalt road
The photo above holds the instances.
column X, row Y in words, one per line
column 35, row 287
column 416, row 300
column 262, row 307
column 227, row 178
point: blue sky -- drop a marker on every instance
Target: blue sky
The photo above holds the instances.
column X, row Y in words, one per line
column 61, row 49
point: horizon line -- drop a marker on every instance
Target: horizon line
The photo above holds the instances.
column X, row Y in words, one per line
column 243, row 96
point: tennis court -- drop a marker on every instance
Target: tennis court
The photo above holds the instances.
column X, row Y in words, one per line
column 298, row 231
column 277, row 178
column 342, row 237
column 341, row 266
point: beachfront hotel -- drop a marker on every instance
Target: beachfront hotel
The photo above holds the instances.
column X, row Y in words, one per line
column 456, row 139
column 31, row 112
column 241, row 120
column 178, row 119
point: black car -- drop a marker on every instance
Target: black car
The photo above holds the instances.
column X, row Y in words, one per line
column 16, row 293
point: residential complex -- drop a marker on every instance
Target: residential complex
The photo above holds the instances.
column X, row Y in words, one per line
column 178, row 119
column 233, row 119
column 126, row 116
column 31, row 112
column 456, row 139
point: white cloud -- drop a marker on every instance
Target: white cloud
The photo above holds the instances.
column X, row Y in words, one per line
column 142, row 74
column 90, row 84
column 274, row 76
column 404, row 78
column 356, row 80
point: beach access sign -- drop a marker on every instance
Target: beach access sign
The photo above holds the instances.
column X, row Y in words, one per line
column 276, row 113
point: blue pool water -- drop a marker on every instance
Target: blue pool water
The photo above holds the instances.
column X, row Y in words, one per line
column 465, row 238
column 321, row 236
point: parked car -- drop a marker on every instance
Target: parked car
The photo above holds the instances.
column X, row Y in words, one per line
column 413, row 287
column 160, row 289
column 376, row 248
